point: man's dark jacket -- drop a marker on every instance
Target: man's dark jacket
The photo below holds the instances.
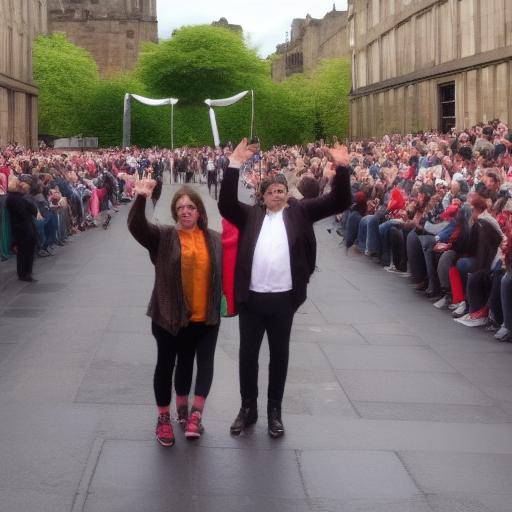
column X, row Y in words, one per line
column 23, row 214
column 298, row 216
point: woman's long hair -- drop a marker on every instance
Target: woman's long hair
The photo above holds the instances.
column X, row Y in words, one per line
column 202, row 222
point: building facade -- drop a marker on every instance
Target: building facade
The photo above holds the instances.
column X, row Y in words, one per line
column 311, row 40
column 429, row 64
column 20, row 22
column 111, row 30
column 224, row 23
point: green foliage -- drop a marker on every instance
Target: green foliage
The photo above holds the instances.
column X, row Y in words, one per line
column 196, row 63
column 323, row 99
column 67, row 77
column 200, row 62
column 150, row 125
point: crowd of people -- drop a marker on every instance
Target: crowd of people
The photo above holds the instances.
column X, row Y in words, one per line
column 433, row 208
column 46, row 196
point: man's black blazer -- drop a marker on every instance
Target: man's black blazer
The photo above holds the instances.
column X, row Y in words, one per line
column 298, row 216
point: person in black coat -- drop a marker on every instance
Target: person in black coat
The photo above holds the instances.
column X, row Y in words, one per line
column 276, row 257
column 23, row 213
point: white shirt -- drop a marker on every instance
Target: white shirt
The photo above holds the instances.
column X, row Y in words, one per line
column 271, row 271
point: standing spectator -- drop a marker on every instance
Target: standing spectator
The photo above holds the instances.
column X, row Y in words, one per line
column 23, row 214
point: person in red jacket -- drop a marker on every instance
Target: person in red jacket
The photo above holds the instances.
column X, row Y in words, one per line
column 229, row 250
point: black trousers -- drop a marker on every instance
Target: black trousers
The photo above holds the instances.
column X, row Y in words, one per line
column 196, row 340
column 212, row 181
column 271, row 313
column 25, row 248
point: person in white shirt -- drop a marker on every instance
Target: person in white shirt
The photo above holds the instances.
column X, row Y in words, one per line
column 276, row 256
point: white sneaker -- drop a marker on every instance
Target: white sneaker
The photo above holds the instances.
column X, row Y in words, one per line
column 453, row 306
column 459, row 310
column 390, row 268
column 471, row 322
column 502, row 333
column 460, row 319
column 442, row 303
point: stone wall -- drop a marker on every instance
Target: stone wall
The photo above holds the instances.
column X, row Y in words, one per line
column 405, row 50
column 20, row 22
column 112, row 30
column 311, row 41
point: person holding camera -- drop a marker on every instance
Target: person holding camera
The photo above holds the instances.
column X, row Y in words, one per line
column 276, row 257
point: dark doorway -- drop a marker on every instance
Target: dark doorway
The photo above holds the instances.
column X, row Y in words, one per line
column 447, row 111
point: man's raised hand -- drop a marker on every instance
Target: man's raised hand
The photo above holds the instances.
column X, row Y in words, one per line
column 243, row 152
column 338, row 155
column 144, row 187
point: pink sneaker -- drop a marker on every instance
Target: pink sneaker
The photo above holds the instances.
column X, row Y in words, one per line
column 194, row 428
column 164, row 433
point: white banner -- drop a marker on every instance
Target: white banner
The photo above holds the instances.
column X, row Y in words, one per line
column 154, row 103
column 127, row 116
column 226, row 102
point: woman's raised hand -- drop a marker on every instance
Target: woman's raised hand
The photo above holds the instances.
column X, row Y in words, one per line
column 144, row 187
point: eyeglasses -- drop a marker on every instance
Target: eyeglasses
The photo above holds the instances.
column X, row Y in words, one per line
column 276, row 191
column 189, row 207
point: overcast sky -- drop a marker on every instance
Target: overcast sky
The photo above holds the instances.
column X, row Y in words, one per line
column 264, row 21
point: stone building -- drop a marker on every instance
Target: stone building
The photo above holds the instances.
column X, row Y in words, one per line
column 311, row 40
column 429, row 64
column 111, row 30
column 224, row 23
column 20, row 22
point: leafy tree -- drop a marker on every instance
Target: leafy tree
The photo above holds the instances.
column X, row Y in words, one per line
column 200, row 62
column 104, row 119
column 67, row 77
column 196, row 63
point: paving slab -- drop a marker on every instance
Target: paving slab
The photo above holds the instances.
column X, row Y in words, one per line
column 438, row 473
column 420, row 387
column 390, row 358
column 345, row 475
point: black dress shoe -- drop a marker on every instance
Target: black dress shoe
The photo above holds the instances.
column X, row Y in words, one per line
column 247, row 416
column 28, row 279
column 275, row 423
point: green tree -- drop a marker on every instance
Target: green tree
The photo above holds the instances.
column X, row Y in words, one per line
column 104, row 119
column 200, row 62
column 196, row 63
column 67, row 77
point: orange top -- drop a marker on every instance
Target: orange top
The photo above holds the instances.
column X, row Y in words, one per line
column 195, row 272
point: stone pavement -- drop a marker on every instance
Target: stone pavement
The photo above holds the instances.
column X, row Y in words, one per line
column 390, row 406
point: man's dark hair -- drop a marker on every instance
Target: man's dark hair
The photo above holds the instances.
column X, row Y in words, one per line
column 428, row 190
column 465, row 152
column 278, row 178
column 309, row 187
column 488, row 131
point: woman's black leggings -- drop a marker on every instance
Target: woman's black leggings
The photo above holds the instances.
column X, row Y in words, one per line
column 196, row 340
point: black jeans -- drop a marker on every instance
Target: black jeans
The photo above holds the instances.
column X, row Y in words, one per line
column 26, row 248
column 271, row 313
column 196, row 340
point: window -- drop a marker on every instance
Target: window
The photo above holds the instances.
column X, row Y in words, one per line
column 447, row 110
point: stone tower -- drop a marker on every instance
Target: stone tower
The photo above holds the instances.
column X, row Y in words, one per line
column 112, row 30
